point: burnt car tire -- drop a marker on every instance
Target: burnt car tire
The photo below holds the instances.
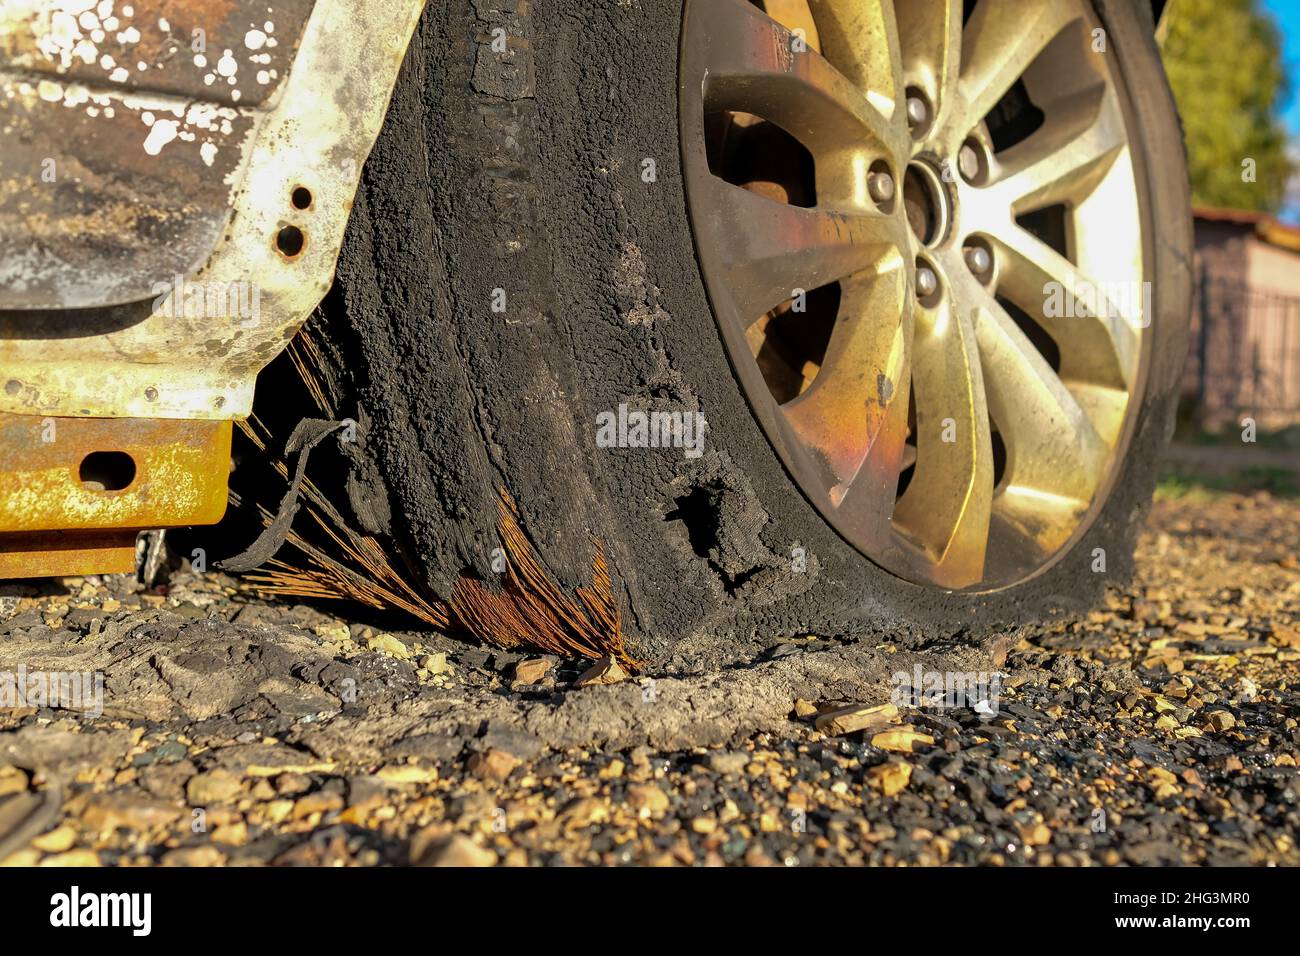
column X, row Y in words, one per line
column 524, row 259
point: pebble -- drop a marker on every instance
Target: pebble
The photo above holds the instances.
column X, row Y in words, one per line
column 456, row 851
column 194, row 856
column 605, row 671
column 215, row 786
column 531, row 670
column 12, row 780
column 72, row 858
column 1221, row 720
column 647, row 800
column 725, row 762
column 890, row 778
column 848, row 720
column 387, row 644
column 493, row 765
column 583, row 812
column 903, row 739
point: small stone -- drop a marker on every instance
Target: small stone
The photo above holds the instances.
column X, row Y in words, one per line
column 1165, row 791
column 493, row 765
column 647, row 799
column 1221, row 720
column 194, row 856
column 333, row 632
column 215, row 786
column 728, row 763
column 1036, row 835
column 404, row 773
column 321, row 802
column 12, row 780
column 902, row 739
column 457, row 850
column 1287, row 637
column 531, row 670
column 890, row 778
column 387, row 644
column 72, row 858
column 232, row 834
column 583, row 812
column 1159, row 775
column 277, row 811
column 757, row 856
column 604, row 671
column 436, row 664
column 804, row 708
column 56, row 841
column 112, row 812
column 292, row 783
column 848, row 720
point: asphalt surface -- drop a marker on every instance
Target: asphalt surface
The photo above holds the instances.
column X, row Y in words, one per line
column 1160, row 729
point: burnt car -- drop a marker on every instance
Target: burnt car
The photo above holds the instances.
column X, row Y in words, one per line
column 615, row 328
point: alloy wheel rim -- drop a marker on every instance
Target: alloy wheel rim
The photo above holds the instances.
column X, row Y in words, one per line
column 919, row 228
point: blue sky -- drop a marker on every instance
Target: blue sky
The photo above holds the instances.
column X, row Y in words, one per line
column 1287, row 15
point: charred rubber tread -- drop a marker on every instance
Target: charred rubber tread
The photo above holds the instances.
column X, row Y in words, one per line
column 522, row 171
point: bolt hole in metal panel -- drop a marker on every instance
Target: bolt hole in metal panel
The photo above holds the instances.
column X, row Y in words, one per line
column 107, row 471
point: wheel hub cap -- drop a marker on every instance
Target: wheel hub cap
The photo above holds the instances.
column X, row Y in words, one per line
column 926, row 202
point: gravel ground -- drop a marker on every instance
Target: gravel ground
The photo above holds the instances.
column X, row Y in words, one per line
column 1161, row 729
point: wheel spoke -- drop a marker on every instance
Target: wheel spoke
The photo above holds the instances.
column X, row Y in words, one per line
column 1095, row 324
column 1001, row 40
column 930, row 41
column 862, row 37
column 1055, row 457
column 751, row 65
column 795, row 15
column 841, row 419
column 947, row 506
column 1063, row 161
column 771, row 250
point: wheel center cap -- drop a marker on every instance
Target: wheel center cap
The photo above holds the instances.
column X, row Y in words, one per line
column 926, row 203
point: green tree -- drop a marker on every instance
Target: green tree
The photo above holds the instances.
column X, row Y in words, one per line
column 1225, row 66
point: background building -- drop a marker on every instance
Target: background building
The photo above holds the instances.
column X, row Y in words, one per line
column 1245, row 348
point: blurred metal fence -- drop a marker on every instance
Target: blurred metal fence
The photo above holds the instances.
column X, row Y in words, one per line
column 1245, row 352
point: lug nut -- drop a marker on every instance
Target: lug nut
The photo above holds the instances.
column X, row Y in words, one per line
column 968, row 161
column 917, row 112
column 880, row 185
column 926, row 281
column 979, row 260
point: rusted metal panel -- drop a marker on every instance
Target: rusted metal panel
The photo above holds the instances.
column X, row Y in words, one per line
column 59, row 473
column 75, row 491
column 151, row 322
column 54, row 554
